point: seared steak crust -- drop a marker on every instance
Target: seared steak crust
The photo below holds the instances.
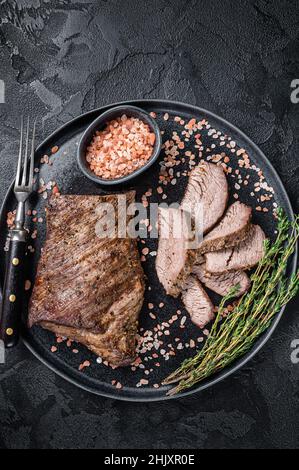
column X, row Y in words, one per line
column 244, row 256
column 174, row 259
column 87, row 288
column 207, row 191
column 197, row 302
column 222, row 283
column 231, row 230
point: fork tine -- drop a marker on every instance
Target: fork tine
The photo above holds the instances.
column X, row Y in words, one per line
column 25, row 166
column 20, row 154
column 31, row 171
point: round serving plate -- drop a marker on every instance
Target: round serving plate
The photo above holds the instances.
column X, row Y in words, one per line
column 143, row 383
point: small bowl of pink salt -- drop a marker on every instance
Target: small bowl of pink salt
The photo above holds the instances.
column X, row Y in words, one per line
column 119, row 145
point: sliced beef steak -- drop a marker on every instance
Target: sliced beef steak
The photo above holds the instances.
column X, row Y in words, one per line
column 244, row 256
column 206, row 194
column 174, row 259
column 232, row 229
column 222, row 283
column 197, row 302
column 89, row 288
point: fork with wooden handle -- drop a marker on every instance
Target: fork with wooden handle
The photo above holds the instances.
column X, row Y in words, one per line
column 13, row 288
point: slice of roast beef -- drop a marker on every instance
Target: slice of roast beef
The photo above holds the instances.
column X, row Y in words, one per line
column 222, row 283
column 206, row 194
column 232, row 229
column 197, row 302
column 89, row 288
column 174, row 258
column 244, row 256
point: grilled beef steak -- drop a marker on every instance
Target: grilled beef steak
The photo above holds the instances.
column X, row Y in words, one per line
column 222, row 283
column 207, row 191
column 244, row 256
column 174, row 259
column 232, row 229
column 183, row 268
column 197, row 302
column 89, row 289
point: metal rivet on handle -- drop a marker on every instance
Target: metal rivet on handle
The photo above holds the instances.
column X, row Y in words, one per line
column 12, row 298
column 15, row 261
column 9, row 331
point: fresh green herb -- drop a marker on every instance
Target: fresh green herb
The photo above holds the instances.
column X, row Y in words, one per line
column 232, row 336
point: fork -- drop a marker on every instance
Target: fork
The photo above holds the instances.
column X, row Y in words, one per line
column 14, row 281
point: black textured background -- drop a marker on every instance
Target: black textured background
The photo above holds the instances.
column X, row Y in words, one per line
column 237, row 58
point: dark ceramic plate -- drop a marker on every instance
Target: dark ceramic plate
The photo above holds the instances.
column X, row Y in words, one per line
column 98, row 378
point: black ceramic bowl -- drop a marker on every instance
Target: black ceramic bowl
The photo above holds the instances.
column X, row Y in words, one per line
column 99, row 124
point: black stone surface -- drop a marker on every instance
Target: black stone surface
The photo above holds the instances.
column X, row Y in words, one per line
column 237, row 58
